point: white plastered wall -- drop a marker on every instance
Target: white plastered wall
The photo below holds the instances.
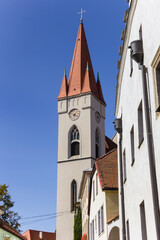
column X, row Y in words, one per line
column 137, row 188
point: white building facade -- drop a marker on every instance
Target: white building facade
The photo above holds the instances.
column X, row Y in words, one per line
column 103, row 199
column 137, row 102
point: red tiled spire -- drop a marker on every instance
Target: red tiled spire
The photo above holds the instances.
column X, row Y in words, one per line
column 64, row 87
column 100, row 89
column 78, row 68
column 81, row 79
column 88, row 83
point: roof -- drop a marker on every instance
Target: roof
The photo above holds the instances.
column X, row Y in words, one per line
column 109, row 144
column 35, row 235
column 9, row 229
column 64, row 87
column 81, row 77
column 113, row 218
column 107, row 168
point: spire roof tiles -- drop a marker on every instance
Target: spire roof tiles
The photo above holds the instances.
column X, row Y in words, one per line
column 64, row 86
column 81, row 77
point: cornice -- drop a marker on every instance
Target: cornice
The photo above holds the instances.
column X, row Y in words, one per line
column 132, row 9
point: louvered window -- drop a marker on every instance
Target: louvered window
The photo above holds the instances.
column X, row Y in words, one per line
column 75, row 145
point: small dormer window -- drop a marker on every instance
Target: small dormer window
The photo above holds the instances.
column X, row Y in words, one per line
column 75, row 141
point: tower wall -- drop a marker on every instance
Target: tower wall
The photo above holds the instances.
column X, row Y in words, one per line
column 70, row 168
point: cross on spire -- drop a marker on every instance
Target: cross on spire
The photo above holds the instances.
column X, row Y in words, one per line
column 81, row 12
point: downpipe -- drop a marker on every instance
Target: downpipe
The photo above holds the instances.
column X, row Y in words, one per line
column 118, row 128
column 151, row 152
column 122, row 190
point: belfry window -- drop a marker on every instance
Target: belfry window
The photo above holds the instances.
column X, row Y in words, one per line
column 73, row 194
column 75, row 141
column 97, row 140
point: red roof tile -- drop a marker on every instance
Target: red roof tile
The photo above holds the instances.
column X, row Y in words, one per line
column 80, row 79
column 109, row 144
column 35, row 235
column 63, row 91
column 107, row 168
column 80, row 59
column 8, row 228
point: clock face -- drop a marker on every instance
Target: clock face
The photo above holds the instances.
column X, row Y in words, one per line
column 98, row 117
column 74, row 114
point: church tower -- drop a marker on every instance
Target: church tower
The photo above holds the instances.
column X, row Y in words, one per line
column 81, row 132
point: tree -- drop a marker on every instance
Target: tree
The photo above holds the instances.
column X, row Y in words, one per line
column 78, row 225
column 6, row 204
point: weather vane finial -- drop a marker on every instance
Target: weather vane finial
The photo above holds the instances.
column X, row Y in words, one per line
column 81, row 12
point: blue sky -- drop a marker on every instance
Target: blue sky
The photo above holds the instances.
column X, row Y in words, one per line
column 37, row 39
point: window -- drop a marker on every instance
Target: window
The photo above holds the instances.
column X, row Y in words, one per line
column 73, row 195
column 99, row 231
column 132, row 145
column 127, row 228
column 92, row 230
column 140, row 124
column 143, row 221
column 124, row 167
column 131, row 65
column 156, row 76
column 96, row 184
column 75, row 141
column 97, row 140
column 95, row 223
column 93, row 191
column 158, row 83
column 100, row 221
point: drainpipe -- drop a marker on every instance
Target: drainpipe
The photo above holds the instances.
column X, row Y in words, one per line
column 118, row 128
column 137, row 55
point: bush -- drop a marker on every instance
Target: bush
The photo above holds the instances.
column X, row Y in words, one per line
column 78, row 225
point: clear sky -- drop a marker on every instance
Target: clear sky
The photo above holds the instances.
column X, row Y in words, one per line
column 37, row 39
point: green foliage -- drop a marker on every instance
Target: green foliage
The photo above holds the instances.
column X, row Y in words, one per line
column 6, row 204
column 78, row 225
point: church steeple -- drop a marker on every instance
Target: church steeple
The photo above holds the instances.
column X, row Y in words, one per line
column 81, row 80
column 81, row 132
column 64, row 87
column 81, row 58
column 100, row 89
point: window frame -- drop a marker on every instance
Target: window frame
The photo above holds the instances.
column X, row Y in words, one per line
column 128, row 230
column 132, row 144
column 140, row 124
column 154, row 65
column 143, row 221
column 101, row 220
column 124, row 166
column 96, row 184
column 74, row 140
column 97, row 143
column 73, row 194
column 93, row 190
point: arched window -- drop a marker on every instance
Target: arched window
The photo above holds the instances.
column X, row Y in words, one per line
column 97, row 140
column 74, row 141
column 73, row 194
